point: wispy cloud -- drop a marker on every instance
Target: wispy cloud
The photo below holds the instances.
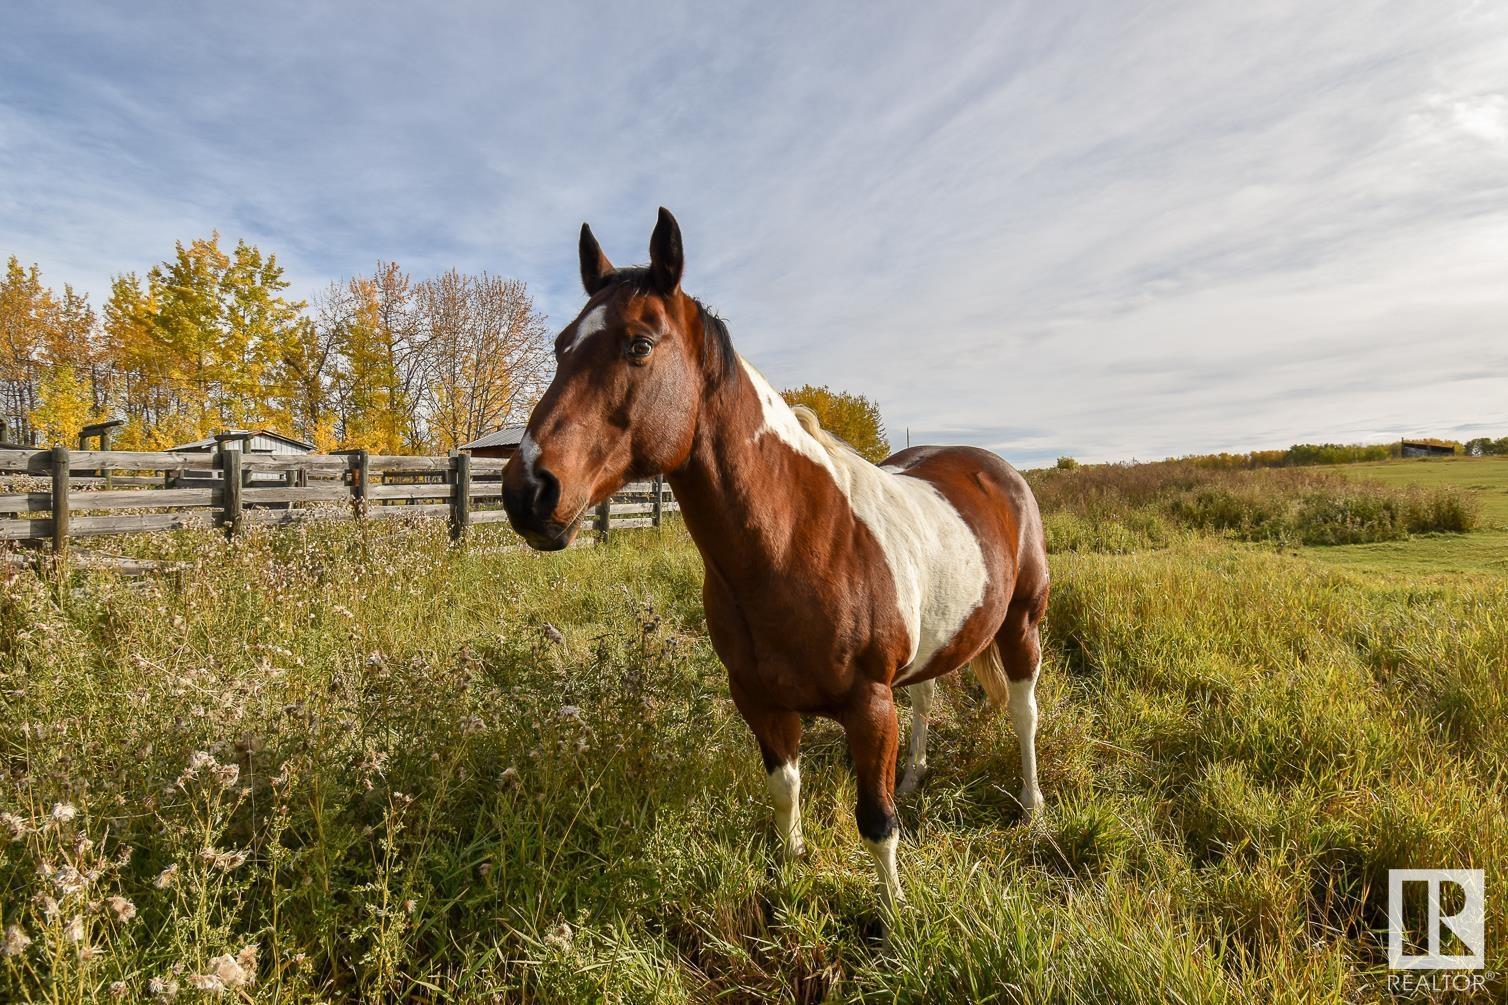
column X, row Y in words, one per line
column 1090, row 229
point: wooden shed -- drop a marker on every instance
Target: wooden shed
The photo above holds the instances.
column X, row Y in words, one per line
column 499, row 443
column 252, row 441
column 1415, row 448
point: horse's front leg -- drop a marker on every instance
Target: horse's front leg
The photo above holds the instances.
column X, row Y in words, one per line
column 778, row 732
column 872, row 739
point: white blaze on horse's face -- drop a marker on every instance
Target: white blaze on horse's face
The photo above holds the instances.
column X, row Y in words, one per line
column 934, row 558
column 529, row 451
column 593, row 322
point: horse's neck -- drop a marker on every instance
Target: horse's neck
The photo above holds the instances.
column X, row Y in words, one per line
column 739, row 505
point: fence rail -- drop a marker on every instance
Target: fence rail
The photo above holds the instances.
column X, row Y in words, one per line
column 96, row 492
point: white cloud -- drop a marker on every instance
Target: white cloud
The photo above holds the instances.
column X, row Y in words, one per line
column 1101, row 230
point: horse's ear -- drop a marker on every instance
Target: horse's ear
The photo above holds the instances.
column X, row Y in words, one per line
column 594, row 264
column 666, row 259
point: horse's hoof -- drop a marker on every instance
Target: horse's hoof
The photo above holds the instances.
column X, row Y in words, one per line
column 1031, row 804
column 911, row 782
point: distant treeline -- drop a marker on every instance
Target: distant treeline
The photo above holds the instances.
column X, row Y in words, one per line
column 1304, row 455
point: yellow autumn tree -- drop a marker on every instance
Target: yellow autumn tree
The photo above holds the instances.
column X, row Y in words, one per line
column 852, row 417
column 64, row 407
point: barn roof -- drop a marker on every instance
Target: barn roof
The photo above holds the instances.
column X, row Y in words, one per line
column 208, row 442
column 508, row 436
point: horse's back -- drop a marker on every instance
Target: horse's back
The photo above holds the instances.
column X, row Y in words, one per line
column 993, row 498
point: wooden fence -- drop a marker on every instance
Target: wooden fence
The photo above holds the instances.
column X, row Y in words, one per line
column 96, row 492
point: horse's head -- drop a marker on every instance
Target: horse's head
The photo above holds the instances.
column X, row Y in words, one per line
column 629, row 378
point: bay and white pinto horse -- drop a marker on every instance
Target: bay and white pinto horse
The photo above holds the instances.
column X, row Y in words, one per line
column 829, row 581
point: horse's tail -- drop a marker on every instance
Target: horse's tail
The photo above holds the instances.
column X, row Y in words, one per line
column 990, row 672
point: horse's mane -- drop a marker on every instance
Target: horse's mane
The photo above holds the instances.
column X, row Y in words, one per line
column 835, row 445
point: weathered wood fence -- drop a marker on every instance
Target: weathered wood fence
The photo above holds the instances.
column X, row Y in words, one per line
column 79, row 493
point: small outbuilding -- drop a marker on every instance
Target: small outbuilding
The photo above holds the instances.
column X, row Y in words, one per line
column 1417, row 448
column 251, row 441
column 498, row 443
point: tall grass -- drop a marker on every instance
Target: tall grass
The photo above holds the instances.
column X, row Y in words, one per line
column 325, row 765
column 1130, row 506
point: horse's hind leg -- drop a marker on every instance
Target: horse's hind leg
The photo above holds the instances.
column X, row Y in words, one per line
column 921, row 707
column 1021, row 654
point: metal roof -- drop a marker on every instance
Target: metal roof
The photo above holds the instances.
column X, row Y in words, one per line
column 508, row 436
column 260, row 441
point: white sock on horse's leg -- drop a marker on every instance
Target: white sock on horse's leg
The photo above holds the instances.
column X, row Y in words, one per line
column 883, row 852
column 921, row 707
column 785, row 789
column 1023, row 707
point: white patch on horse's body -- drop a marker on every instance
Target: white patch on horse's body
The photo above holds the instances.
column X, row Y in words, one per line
column 590, row 324
column 1023, row 709
column 528, row 449
column 934, row 558
column 785, row 789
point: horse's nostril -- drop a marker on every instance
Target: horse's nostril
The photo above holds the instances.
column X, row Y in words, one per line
column 547, row 494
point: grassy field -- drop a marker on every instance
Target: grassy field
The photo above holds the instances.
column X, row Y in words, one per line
column 322, row 765
column 1484, row 478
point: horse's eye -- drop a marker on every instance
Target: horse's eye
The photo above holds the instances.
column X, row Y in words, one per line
column 640, row 348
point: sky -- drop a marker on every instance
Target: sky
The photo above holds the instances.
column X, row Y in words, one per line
column 1106, row 230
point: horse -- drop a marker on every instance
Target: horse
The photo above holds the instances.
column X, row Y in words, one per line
column 830, row 581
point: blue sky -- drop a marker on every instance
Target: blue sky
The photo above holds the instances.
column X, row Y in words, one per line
column 1104, row 229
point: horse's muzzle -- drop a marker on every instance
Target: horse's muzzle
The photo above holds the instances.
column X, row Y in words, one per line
column 530, row 501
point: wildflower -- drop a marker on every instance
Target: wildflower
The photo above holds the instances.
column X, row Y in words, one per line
column 122, row 908
column 69, row 880
column 166, row 877
column 410, row 906
column 570, row 712
column 75, row 929
column 225, row 861
column 226, row 775
column 87, row 953
column 560, row 936
column 49, row 907
column 12, row 827
column 201, row 759
column 117, row 989
column 165, row 988
column 63, row 812
column 228, row 971
column 16, row 941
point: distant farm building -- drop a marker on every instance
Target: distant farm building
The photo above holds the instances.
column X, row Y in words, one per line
column 251, row 441
column 246, row 441
column 1416, row 448
column 499, row 443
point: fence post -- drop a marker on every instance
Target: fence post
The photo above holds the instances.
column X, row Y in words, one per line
column 604, row 518
column 460, row 495
column 659, row 499
column 230, row 499
column 359, row 472
column 60, row 500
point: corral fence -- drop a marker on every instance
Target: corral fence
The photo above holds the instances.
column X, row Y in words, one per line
column 81, row 493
